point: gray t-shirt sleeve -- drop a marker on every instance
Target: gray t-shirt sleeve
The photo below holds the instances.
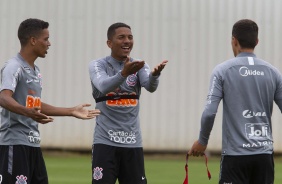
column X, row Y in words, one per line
column 101, row 80
column 10, row 74
column 147, row 80
column 278, row 92
column 213, row 99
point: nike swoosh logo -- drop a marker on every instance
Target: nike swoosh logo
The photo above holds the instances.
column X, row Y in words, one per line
column 28, row 81
column 143, row 178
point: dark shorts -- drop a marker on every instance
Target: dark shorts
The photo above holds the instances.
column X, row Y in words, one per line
column 110, row 163
column 22, row 164
column 249, row 169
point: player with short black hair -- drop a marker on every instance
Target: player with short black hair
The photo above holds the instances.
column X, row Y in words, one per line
column 21, row 159
column 116, row 82
column 248, row 87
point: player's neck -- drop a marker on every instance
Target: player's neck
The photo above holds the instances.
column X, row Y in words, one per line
column 28, row 56
column 248, row 50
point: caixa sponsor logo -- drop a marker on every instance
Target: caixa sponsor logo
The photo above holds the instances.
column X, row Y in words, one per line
column 244, row 71
column 250, row 114
column 258, row 131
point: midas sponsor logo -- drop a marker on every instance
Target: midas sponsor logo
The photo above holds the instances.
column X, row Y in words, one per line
column 244, row 71
column 258, row 131
column 32, row 101
column 121, row 102
column 122, row 137
column 250, row 114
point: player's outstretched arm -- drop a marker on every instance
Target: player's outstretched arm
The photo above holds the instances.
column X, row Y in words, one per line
column 78, row 111
column 157, row 70
column 81, row 112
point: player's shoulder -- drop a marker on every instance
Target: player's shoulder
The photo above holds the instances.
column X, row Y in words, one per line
column 13, row 62
column 99, row 61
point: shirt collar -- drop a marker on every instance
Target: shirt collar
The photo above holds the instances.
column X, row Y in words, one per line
column 246, row 54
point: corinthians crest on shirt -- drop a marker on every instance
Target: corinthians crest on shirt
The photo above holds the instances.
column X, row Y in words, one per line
column 131, row 80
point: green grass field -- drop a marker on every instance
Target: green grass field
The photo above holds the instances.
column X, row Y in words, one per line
column 73, row 168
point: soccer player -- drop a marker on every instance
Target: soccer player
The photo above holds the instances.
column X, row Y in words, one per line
column 21, row 159
column 248, row 86
column 116, row 81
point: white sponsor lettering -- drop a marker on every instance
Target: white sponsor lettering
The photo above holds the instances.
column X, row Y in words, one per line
column 122, row 137
column 97, row 71
column 28, row 81
column 258, row 131
column 34, row 137
column 244, row 71
column 1, row 178
column 211, row 90
column 258, row 144
column 16, row 74
column 250, row 114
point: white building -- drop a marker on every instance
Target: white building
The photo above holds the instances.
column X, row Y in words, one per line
column 194, row 35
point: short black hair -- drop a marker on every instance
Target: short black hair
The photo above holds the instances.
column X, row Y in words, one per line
column 113, row 27
column 30, row 28
column 246, row 32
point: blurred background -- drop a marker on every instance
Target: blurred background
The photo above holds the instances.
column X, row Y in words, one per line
column 194, row 35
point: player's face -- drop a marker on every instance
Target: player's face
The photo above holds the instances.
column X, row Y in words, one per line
column 121, row 44
column 42, row 43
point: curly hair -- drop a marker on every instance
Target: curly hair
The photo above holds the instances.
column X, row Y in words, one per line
column 30, row 28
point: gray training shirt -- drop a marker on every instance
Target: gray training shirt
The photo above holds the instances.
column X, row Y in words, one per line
column 118, row 124
column 25, row 82
column 248, row 87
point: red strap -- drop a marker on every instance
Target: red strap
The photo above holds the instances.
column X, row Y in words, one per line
column 186, row 169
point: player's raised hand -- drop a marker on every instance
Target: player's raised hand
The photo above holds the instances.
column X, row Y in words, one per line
column 157, row 70
column 131, row 67
column 81, row 112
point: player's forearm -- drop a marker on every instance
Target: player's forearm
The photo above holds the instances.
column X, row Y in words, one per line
column 207, row 122
column 50, row 110
column 152, row 85
column 208, row 117
column 108, row 84
column 10, row 104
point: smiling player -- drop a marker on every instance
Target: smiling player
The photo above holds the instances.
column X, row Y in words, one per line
column 116, row 81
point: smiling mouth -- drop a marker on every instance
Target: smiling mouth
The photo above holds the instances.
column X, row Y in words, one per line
column 126, row 48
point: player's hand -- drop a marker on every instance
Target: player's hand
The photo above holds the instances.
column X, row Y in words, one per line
column 131, row 67
column 81, row 112
column 37, row 116
column 197, row 149
column 157, row 70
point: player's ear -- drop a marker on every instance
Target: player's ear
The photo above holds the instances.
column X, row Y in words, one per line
column 109, row 43
column 233, row 40
column 32, row 40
